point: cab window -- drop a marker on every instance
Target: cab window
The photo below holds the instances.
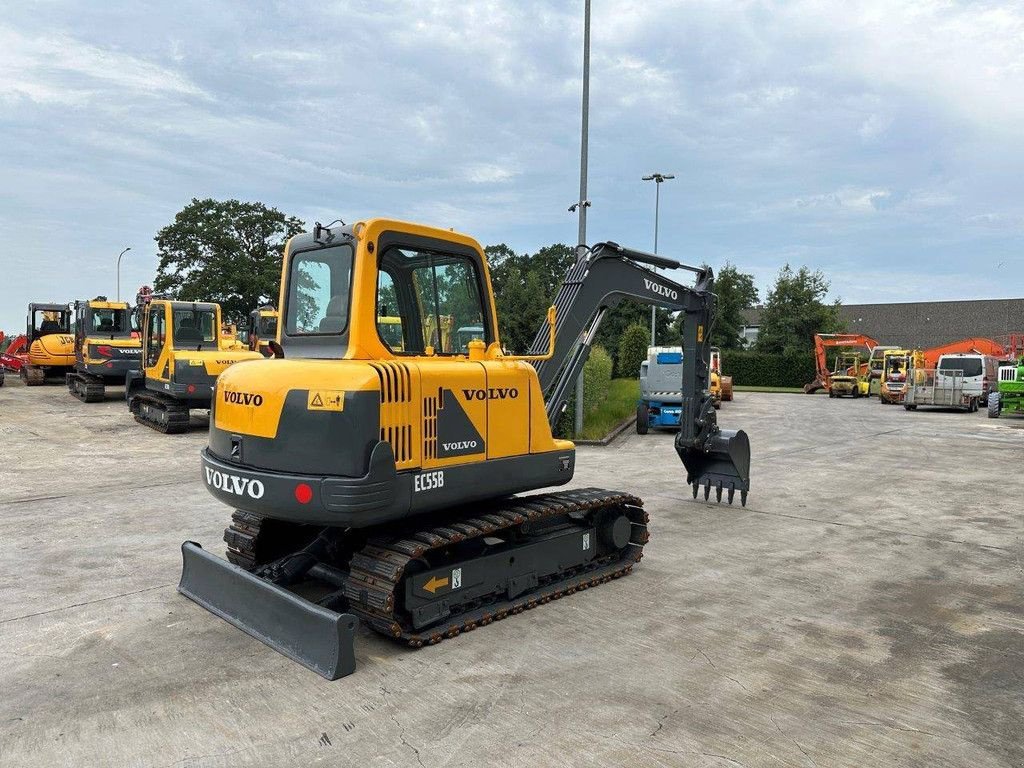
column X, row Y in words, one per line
column 49, row 321
column 195, row 329
column 154, row 336
column 319, row 284
column 109, row 321
column 434, row 299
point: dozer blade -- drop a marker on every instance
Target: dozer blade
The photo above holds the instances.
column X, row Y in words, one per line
column 316, row 637
column 724, row 467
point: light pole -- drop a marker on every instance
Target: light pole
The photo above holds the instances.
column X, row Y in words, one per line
column 658, row 179
column 119, row 271
column 582, row 204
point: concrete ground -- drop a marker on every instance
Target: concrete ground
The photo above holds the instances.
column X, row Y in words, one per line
column 865, row 609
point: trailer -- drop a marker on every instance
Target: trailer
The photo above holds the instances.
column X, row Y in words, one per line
column 934, row 389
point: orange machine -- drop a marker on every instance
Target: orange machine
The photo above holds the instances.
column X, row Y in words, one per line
column 973, row 346
column 822, row 341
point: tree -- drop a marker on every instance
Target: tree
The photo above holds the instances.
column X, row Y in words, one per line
column 227, row 251
column 524, row 287
column 736, row 292
column 794, row 311
column 633, row 350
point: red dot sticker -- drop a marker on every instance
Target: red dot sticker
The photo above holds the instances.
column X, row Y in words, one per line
column 303, row 493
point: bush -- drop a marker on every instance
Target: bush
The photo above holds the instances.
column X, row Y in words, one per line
column 597, row 375
column 633, row 351
column 758, row 369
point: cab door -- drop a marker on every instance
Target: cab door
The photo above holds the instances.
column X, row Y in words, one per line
column 155, row 345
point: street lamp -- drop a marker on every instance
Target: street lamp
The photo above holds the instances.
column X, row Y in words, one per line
column 583, row 203
column 658, row 179
column 119, row 269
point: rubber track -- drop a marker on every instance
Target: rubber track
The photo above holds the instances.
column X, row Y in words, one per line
column 376, row 571
column 32, row 376
column 175, row 414
column 88, row 389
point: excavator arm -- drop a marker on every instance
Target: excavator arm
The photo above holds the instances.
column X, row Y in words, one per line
column 601, row 278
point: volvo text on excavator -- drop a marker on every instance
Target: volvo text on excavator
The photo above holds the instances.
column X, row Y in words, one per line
column 378, row 482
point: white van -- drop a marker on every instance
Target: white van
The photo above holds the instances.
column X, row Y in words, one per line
column 981, row 373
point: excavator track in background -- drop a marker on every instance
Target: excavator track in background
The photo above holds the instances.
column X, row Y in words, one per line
column 379, row 583
column 88, row 389
column 33, row 376
column 164, row 414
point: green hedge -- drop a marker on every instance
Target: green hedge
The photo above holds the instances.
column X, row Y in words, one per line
column 597, row 376
column 633, row 351
column 755, row 369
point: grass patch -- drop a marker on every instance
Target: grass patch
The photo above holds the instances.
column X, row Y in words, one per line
column 619, row 403
column 786, row 390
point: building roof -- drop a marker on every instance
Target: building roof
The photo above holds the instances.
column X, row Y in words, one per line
column 924, row 324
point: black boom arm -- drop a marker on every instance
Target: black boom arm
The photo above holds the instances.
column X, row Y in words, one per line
column 601, row 278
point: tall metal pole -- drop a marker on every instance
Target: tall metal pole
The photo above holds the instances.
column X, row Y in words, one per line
column 119, row 271
column 583, row 202
column 657, row 178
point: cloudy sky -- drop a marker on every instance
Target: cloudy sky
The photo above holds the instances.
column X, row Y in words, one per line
column 880, row 142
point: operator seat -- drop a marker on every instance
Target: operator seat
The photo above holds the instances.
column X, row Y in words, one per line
column 187, row 331
column 48, row 327
column 334, row 319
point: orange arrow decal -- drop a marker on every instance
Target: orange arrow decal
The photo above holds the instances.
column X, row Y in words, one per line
column 435, row 584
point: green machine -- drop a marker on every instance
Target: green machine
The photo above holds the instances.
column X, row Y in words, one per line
column 1010, row 396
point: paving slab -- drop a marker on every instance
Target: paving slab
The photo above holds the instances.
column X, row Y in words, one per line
column 865, row 609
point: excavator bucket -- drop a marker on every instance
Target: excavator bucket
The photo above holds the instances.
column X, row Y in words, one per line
column 724, row 465
column 319, row 639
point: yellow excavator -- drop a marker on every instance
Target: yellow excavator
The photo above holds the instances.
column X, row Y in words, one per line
column 182, row 356
column 106, row 350
column 376, row 485
column 51, row 345
column 262, row 329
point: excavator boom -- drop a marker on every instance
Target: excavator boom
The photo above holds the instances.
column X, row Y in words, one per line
column 602, row 277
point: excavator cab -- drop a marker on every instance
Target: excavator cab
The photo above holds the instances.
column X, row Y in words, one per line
column 381, row 476
column 262, row 329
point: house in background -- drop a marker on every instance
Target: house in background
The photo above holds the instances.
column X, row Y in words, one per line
column 920, row 324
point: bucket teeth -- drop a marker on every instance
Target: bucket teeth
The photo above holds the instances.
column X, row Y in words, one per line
column 707, row 490
column 743, row 498
column 695, row 488
column 732, row 492
column 718, row 492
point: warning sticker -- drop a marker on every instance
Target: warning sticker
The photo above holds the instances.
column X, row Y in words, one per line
column 456, row 578
column 194, row 362
column 325, row 400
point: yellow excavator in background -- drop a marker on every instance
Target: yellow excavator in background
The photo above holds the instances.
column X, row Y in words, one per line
column 181, row 359
column 106, row 350
column 51, row 346
column 379, row 482
column 262, row 329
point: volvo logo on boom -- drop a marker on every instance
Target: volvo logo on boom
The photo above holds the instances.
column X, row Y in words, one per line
column 492, row 393
column 242, row 398
column 239, row 486
column 661, row 290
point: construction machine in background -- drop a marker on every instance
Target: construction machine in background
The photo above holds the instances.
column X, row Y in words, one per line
column 1009, row 396
column 724, row 382
column 661, row 396
column 378, row 484
column 12, row 357
column 50, row 345
column 849, row 378
column 824, row 341
column 181, row 359
column 876, row 363
column 895, row 379
column 105, row 349
column 262, row 329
